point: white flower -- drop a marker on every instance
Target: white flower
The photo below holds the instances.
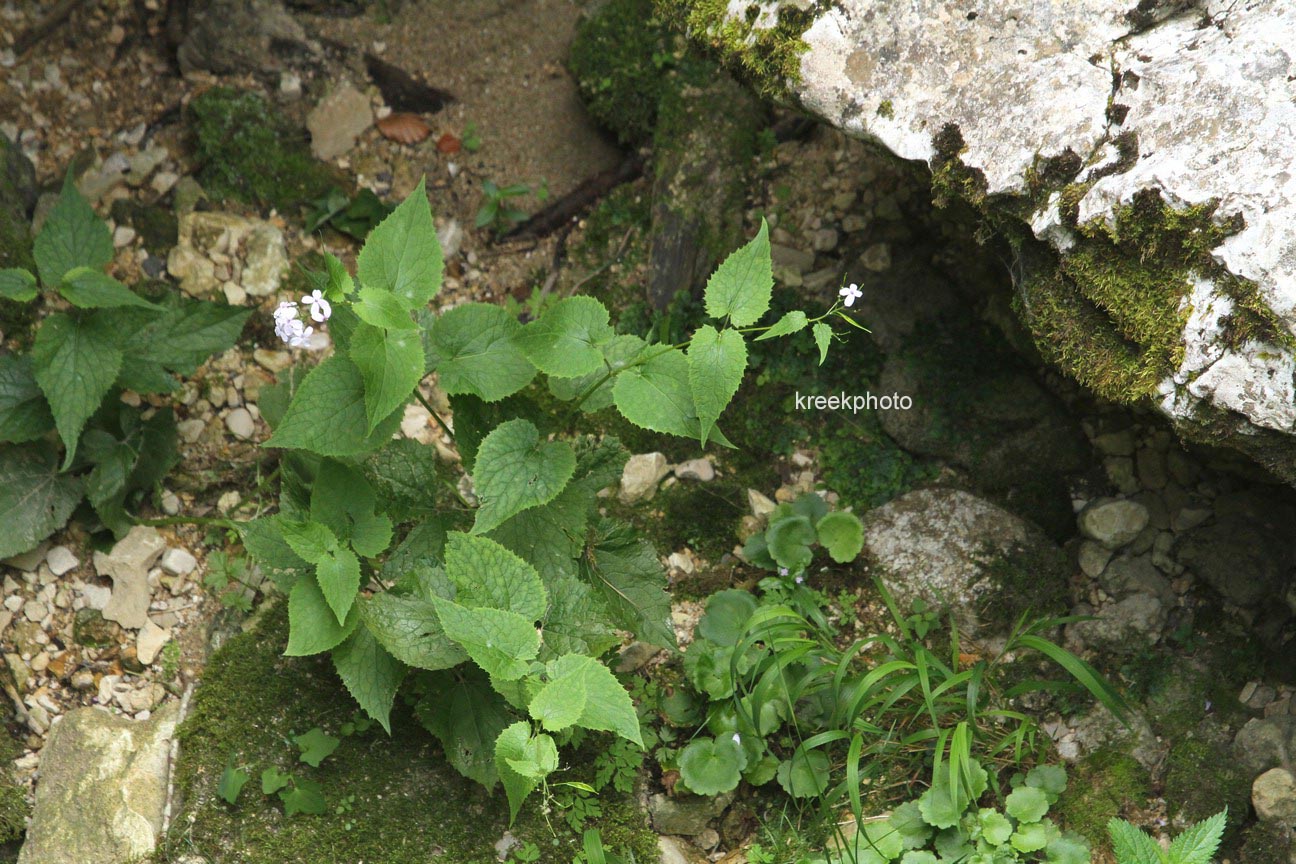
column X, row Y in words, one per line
column 737, row 738
column 783, row 571
column 852, row 293
column 320, row 310
column 800, row 580
column 285, row 311
column 301, row 338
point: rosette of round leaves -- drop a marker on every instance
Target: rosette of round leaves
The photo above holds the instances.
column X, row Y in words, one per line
column 796, row 528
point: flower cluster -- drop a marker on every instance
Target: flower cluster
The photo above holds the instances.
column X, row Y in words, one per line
column 290, row 328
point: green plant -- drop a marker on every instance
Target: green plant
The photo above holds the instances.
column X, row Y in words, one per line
column 471, row 138
column 495, row 212
column 227, row 577
column 355, row 216
column 1196, row 845
column 101, row 338
column 946, row 824
column 298, row 794
column 397, row 583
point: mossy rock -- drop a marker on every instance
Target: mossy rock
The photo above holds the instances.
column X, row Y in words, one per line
column 17, row 195
column 1099, row 787
column 408, row 806
column 1201, row 779
column 158, row 227
column 247, row 151
column 616, row 58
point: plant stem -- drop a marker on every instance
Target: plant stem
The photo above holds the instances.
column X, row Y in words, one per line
column 440, row 422
column 186, row 520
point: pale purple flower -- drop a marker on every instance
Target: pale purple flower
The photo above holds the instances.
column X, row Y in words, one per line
column 783, row 571
column 320, row 310
column 852, row 293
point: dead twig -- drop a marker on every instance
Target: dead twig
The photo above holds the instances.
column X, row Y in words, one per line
column 563, row 210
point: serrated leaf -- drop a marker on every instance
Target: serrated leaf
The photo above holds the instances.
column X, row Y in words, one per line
column 391, row 364
column 407, row 475
column 742, row 285
column 1030, row 837
column 842, row 534
column 907, row 819
column 410, row 629
column 24, row 413
column 316, row 746
column 475, row 418
column 625, row 572
column 515, row 471
column 1071, row 849
column 938, row 807
column 306, row 796
column 371, row 675
column 90, row 288
column 327, row 414
column 501, row 642
column 488, row 575
column 402, row 254
column 344, row 501
column 717, row 361
column 618, row 353
column 75, row 367
column 72, row 236
column 471, row 348
column 656, row 395
column 511, row 746
column 231, row 784
column 1050, row 778
column 577, row 621
column 792, row 322
column 382, row 309
column 1198, row 843
column 582, row 691
column 336, row 567
column 264, row 540
column 181, row 338
column 823, row 338
column 566, row 340
column 467, row 716
column 106, row 483
column 539, row 758
column 789, row 542
column 712, row 766
column 1131, row 845
column 272, row 780
column 1026, row 804
column 995, row 827
column 17, row 284
column 312, row 626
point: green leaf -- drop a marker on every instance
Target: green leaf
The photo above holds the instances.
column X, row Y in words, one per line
column 920, row 856
column 406, row 473
column 410, row 629
column 576, row 622
column 501, row 642
column 995, row 827
column 908, row 820
column 35, row 499
column 17, row 284
column 1050, row 778
column 1131, row 845
column 75, row 367
column 306, row 796
column 263, row 538
column 712, row 766
column 72, row 236
column 1198, row 843
column 474, row 419
column 938, row 807
column 1026, row 804
column 382, row 309
column 842, row 534
column 789, row 542
column 511, row 746
column 344, row 501
column 272, row 780
column 370, row 674
column 656, row 395
column 312, row 626
column 624, row 570
column 231, row 784
column 1071, row 850
column 516, row 471
column 805, row 775
column 717, row 361
column 467, row 716
column 327, row 414
column 90, row 288
column 581, row 691
column 823, row 338
column 336, row 567
column 472, row 349
column 316, row 746
column 181, row 338
column 1030, row 837
column 881, row 838
column 488, row 575
column 402, row 254
column 741, row 286
column 618, row 353
column 391, row 364
column 725, row 620
column 24, row 413
column 790, row 323
column 539, row 758
column 566, row 340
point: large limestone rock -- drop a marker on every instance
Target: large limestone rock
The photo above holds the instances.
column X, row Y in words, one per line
column 102, row 789
column 1147, row 143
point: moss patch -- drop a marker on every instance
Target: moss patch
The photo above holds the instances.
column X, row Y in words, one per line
column 1202, row 778
column 1099, row 787
column 409, row 805
column 1028, row 580
column 15, row 234
column 248, row 152
column 617, row 59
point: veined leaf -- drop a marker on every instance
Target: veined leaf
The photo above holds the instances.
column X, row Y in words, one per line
column 515, row 471
column 24, row 413
column 345, row 502
column 625, row 572
column 72, row 236
column 410, row 629
column 656, row 395
column 391, row 364
column 312, row 626
column 511, row 747
column 17, row 284
column 472, row 349
column 382, row 309
column 716, row 363
column 790, row 323
column 75, row 366
column 566, row 340
column 741, row 286
column 402, row 254
column 842, row 534
column 581, row 691
column 618, row 353
column 488, row 575
column 370, row 674
column 35, row 499
column 823, row 338
column 90, row 288
column 467, row 716
column 501, row 642
column 1198, row 843
column 327, row 414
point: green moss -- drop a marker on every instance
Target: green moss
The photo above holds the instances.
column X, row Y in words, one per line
column 1099, row 787
column 1266, row 842
column 951, row 179
column 1202, row 778
column 16, row 319
column 885, row 109
column 247, row 151
column 1029, row 581
column 617, row 58
column 769, row 58
column 13, row 799
column 409, row 805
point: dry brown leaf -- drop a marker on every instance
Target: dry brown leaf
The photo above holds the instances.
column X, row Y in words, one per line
column 448, row 144
column 404, row 128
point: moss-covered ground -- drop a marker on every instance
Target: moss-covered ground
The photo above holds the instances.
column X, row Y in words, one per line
column 389, row 801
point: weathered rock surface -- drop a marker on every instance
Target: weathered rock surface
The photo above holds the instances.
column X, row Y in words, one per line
column 1274, row 797
column 1073, row 118
column 128, row 564
column 102, row 789
column 216, row 250
column 640, row 477
column 231, row 36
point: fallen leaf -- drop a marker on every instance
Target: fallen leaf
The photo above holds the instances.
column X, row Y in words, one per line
column 448, row 144
column 404, row 128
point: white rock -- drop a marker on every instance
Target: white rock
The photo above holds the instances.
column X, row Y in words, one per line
column 240, row 423
column 696, row 469
column 1113, row 523
column 178, row 562
column 150, row 641
column 759, row 504
column 1273, row 794
column 337, row 121
column 190, row 430
column 61, row 560
column 96, row 596
column 641, row 475
column 128, row 565
column 123, row 236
